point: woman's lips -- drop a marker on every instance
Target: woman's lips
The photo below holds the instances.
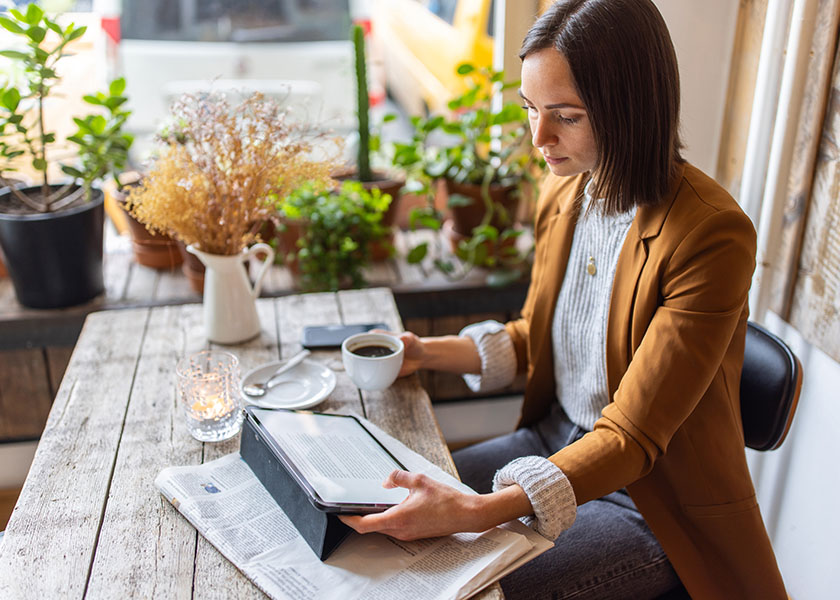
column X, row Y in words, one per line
column 555, row 160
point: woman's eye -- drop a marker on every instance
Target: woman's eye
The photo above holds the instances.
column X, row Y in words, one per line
column 567, row 120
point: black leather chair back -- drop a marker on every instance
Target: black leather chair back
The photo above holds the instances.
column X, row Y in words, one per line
column 770, row 383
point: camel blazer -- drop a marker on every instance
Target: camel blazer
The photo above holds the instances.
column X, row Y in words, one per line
column 672, row 432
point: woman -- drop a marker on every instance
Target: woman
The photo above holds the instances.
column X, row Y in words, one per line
column 630, row 449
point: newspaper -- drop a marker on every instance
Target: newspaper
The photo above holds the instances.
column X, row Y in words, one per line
column 229, row 506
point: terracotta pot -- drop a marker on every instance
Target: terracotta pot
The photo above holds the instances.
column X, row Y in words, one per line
column 192, row 268
column 454, row 238
column 467, row 218
column 286, row 237
column 387, row 185
column 409, row 202
column 383, row 250
column 154, row 250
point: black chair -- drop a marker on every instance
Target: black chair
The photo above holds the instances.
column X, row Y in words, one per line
column 770, row 384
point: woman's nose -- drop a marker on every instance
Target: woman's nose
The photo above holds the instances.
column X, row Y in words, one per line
column 541, row 133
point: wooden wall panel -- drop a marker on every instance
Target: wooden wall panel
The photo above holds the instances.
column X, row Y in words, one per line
column 808, row 139
column 742, row 75
column 815, row 307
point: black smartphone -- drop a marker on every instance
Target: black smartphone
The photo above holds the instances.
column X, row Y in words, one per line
column 331, row 336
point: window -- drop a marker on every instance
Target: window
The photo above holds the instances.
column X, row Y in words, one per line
column 236, row 20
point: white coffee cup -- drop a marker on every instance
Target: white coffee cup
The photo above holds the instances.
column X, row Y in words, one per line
column 372, row 369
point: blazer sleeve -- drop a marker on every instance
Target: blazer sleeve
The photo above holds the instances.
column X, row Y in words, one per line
column 703, row 286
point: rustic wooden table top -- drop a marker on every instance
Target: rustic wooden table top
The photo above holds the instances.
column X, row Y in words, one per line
column 90, row 522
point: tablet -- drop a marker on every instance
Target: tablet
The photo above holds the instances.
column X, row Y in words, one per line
column 334, row 458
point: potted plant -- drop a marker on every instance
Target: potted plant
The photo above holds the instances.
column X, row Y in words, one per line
column 51, row 234
column 481, row 154
column 103, row 152
column 104, row 149
column 151, row 249
column 216, row 180
column 368, row 144
column 334, row 232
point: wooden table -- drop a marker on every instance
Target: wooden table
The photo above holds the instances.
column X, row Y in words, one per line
column 35, row 345
column 91, row 524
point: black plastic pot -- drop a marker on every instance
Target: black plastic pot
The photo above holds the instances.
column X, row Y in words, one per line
column 55, row 259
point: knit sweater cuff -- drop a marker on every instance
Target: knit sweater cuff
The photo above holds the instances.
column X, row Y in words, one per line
column 548, row 489
column 498, row 358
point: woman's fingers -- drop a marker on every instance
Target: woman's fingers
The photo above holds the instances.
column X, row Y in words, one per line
column 413, row 355
column 413, row 352
column 367, row 523
column 385, row 520
column 404, row 479
column 431, row 509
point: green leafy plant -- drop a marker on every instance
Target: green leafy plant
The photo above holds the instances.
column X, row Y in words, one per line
column 481, row 144
column 22, row 126
column 103, row 145
column 337, row 230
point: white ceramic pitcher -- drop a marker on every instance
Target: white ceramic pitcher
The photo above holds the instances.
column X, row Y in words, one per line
column 230, row 310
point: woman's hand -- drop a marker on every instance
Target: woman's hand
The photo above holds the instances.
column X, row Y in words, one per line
column 434, row 509
column 415, row 353
column 445, row 353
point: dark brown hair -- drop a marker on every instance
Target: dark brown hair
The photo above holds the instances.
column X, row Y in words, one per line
column 625, row 70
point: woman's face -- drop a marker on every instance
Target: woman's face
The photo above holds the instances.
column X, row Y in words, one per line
column 560, row 126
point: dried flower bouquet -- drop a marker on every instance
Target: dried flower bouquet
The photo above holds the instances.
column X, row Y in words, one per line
column 222, row 169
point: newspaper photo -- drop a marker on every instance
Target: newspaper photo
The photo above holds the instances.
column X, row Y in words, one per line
column 229, row 506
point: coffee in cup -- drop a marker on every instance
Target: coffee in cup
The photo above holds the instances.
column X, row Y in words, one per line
column 372, row 360
column 373, row 350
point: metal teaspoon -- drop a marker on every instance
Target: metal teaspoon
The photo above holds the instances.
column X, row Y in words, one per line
column 258, row 389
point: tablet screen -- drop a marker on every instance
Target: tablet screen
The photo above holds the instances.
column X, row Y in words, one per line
column 336, row 456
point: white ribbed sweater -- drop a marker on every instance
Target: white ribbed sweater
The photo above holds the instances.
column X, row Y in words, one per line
column 579, row 347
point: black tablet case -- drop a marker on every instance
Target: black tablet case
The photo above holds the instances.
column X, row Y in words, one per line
column 322, row 531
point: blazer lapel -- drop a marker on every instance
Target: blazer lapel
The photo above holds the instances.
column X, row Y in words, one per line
column 631, row 260
column 647, row 224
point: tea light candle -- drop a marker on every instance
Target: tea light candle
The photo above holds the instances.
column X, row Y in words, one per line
column 208, row 387
column 211, row 407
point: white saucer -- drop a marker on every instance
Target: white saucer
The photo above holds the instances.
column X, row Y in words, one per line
column 303, row 386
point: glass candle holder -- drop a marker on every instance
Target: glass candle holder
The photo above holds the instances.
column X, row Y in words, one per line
column 208, row 388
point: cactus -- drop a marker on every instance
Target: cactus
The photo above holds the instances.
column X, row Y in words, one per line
column 363, row 106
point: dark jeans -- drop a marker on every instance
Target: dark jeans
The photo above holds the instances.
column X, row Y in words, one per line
column 609, row 552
